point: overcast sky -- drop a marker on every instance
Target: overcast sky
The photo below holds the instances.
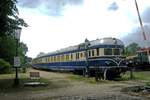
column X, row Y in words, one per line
column 55, row 24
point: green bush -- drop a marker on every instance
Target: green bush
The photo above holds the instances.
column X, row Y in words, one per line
column 5, row 67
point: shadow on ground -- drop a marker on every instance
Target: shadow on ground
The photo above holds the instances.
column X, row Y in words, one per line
column 7, row 85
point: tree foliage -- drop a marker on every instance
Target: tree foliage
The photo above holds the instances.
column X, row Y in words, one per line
column 9, row 20
column 131, row 49
column 7, row 48
column 23, row 49
column 4, row 66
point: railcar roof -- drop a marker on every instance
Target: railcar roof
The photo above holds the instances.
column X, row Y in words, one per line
column 103, row 41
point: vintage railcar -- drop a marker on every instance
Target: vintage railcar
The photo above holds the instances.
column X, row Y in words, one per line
column 141, row 61
column 101, row 55
column 143, row 56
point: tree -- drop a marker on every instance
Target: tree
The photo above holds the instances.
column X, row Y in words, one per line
column 7, row 48
column 131, row 49
column 4, row 66
column 22, row 52
column 9, row 22
column 9, row 19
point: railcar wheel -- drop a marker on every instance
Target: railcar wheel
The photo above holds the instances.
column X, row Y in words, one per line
column 110, row 74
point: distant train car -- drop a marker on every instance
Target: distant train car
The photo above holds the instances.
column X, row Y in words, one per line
column 141, row 60
column 144, row 56
column 103, row 55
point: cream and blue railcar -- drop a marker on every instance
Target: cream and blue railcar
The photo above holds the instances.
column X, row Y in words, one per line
column 105, row 53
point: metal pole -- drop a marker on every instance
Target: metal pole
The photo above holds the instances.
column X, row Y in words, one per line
column 16, row 78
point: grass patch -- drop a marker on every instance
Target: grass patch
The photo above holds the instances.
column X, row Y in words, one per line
column 7, row 84
column 141, row 75
column 90, row 80
column 77, row 77
column 144, row 75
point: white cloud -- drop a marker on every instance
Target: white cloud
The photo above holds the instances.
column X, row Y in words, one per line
column 91, row 20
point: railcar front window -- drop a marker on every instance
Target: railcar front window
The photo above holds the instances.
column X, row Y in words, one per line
column 116, row 52
column 107, row 51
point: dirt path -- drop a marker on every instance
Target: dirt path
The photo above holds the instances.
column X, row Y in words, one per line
column 66, row 89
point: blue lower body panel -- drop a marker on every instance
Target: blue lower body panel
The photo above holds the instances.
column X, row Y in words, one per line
column 72, row 65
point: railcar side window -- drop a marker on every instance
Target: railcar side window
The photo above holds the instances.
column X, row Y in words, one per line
column 116, row 51
column 71, row 56
column 84, row 54
column 107, row 51
column 43, row 60
column 81, row 55
column 58, row 57
column 89, row 53
column 74, row 56
column 67, row 57
column 54, row 58
column 64, row 57
column 61, row 57
column 77, row 55
column 46, row 59
column 97, row 51
column 51, row 58
column 92, row 52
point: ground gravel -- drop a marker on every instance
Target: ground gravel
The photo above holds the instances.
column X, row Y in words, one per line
column 75, row 90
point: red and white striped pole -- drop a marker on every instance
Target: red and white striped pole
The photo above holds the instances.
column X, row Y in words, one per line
column 140, row 20
column 143, row 31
